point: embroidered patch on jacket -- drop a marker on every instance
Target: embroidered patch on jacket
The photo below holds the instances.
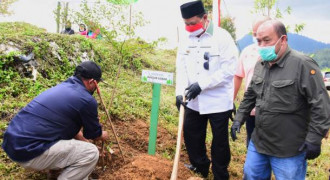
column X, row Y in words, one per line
column 313, row 72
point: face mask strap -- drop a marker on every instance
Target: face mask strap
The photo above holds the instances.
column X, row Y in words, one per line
column 279, row 40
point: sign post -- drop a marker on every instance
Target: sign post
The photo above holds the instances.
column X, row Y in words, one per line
column 154, row 118
column 157, row 78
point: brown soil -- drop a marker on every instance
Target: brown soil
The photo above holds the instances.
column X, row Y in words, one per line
column 134, row 136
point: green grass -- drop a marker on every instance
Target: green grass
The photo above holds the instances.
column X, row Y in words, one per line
column 132, row 100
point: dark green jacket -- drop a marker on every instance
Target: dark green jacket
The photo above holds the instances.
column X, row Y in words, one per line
column 292, row 105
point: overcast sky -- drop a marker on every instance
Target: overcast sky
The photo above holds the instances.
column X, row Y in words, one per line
column 165, row 18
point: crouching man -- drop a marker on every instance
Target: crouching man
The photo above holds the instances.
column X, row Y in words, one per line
column 45, row 134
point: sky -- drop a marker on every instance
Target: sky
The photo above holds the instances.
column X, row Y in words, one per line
column 165, row 18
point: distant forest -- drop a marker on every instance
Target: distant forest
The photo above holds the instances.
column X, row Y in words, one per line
column 322, row 57
column 318, row 50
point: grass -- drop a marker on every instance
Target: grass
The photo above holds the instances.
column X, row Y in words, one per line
column 132, row 100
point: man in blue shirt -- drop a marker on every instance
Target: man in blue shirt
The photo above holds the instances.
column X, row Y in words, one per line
column 46, row 134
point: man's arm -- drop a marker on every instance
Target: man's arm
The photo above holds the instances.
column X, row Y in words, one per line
column 240, row 73
column 247, row 104
column 90, row 121
column 313, row 88
column 104, row 136
column 237, row 85
column 181, row 75
column 81, row 137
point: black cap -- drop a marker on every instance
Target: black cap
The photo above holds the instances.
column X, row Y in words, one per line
column 89, row 70
column 192, row 9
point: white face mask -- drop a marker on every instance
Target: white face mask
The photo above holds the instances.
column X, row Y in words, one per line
column 197, row 32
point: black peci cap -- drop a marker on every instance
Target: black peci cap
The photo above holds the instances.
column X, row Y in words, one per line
column 192, row 9
column 89, row 70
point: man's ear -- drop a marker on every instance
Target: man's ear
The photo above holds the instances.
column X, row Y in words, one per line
column 91, row 81
column 286, row 38
column 205, row 16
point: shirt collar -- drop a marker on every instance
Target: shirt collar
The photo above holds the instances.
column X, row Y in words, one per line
column 209, row 29
column 77, row 80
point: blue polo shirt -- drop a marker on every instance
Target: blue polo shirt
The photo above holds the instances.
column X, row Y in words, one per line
column 56, row 114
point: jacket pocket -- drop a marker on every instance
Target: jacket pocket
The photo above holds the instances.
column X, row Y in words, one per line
column 283, row 96
column 257, row 84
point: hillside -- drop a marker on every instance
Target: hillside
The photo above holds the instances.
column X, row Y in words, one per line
column 55, row 57
column 296, row 41
column 323, row 58
column 300, row 43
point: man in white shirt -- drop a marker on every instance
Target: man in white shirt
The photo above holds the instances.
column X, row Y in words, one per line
column 205, row 67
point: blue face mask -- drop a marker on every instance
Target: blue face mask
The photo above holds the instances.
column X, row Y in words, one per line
column 267, row 53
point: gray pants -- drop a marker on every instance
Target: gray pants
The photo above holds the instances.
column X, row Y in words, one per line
column 76, row 158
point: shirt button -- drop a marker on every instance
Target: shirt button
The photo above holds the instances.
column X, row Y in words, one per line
column 197, row 73
column 197, row 51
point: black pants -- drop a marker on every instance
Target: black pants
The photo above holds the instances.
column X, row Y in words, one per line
column 250, row 124
column 195, row 126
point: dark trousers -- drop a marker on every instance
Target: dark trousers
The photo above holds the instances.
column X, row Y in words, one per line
column 250, row 124
column 195, row 126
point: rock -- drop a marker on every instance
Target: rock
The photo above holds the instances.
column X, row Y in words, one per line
column 84, row 57
column 8, row 48
column 54, row 50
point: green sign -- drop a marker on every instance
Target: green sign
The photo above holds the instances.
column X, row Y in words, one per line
column 157, row 77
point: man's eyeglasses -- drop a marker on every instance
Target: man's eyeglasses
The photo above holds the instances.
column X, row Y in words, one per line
column 207, row 59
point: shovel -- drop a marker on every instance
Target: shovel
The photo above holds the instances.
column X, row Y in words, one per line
column 174, row 174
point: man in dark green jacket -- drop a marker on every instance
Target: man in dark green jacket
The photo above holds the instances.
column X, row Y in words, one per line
column 292, row 108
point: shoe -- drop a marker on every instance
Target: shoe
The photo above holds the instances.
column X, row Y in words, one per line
column 195, row 170
column 190, row 167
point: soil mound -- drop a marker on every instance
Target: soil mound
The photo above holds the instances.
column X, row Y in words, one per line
column 148, row 167
column 138, row 165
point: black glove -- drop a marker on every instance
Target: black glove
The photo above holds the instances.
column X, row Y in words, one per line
column 179, row 102
column 312, row 150
column 193, row 91
column 235, row 128
column 233, row 112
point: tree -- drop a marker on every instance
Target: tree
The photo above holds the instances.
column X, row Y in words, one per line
column 322, row 57
column 61, row 15
column 126, row 2
column 57, row 13
column 118, row 29
column 207, row 5
column 112, row 19
column 227, row 22
column 269, row 8
column 4, row 6
column 65, row 14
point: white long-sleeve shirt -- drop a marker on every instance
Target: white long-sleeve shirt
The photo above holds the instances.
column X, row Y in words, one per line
column 217, row 82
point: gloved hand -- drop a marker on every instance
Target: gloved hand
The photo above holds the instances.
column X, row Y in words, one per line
column 235, row 128
column 233, row 112
column 312, row 150
column 179, row 102
column 193, row 91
